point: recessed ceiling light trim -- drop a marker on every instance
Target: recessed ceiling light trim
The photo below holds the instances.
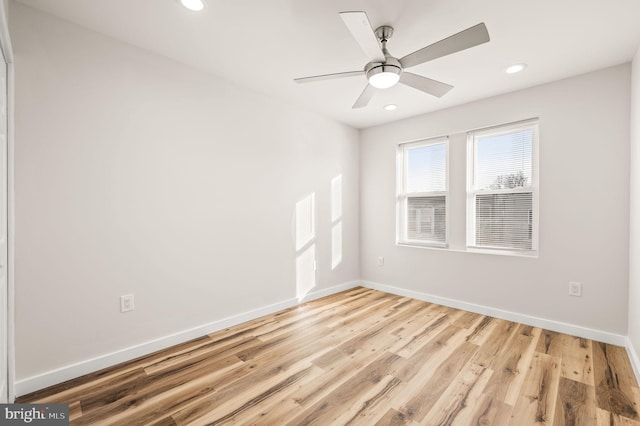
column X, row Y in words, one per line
column 194, row 5
column 515, row 68
column 390, row 107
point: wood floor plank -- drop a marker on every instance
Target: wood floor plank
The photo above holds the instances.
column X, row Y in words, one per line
column 537, row 402
column 576, row 404
column 363, row 357
column 366, row 410
column 338, row 367
column 488, row 411
column 164, row 421
column 76, row 388
column 408, row 346
column 312, row 315
column 374, row 335
column 280, row 368
column 371, row 310
column 613, row 381
column 607, row 418
column 394, row 418
column 155, row 393
column 457, row 404
column 412, row 325
column 575, row 353
column 496, row 339
column 512, row 364
column 201, row 353
column 422, row 393
column 345, row 397
column 75, row 410
column 482, row 331
column 281, row 406
column 240, row 405
column 468, row 319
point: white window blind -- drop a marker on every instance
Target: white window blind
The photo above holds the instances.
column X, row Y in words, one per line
column 502, row 202
column 422, row 192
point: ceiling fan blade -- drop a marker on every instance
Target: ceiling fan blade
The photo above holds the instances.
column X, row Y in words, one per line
column 470, row 37
column 327, row 76
column 427, row 85
column 365, row 97
column 360, row 27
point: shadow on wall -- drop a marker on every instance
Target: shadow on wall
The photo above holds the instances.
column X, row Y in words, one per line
column 306, row 237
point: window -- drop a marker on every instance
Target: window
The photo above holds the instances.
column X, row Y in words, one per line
column 502, row 188
column 422, row 192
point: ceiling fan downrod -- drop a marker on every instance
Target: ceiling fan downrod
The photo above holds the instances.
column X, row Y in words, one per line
column 383, row 75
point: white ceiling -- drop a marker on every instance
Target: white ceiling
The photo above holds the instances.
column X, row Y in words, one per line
column 264, row 44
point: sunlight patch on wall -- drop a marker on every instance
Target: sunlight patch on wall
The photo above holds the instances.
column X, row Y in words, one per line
column 305, row 221
column 305, row 245
column 305, row 271
column 336, row 245
column 336, row 198
column 336, row 221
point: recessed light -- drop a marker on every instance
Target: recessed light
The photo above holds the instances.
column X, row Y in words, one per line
column 515, row 68
column 195, row 5
column 390, row 107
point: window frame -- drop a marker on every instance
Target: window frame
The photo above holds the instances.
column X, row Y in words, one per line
column 472, row 192
column 402, row 196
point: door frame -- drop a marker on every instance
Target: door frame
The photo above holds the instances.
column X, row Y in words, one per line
column 5, row 44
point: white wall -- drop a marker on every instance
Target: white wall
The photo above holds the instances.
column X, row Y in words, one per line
column 584, row 206
column 634, row 232
column 135, row 174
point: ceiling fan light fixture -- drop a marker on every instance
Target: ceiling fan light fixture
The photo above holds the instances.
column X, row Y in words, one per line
column 195, row 5
column 384, row 76
column 386, row 71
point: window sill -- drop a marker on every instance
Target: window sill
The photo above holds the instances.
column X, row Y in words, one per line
column 441, row 246
column 474, row 250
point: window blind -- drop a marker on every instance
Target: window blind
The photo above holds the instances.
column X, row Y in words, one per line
column 504, row 220
column 426, row 218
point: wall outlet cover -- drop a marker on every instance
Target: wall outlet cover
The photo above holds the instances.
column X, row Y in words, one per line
column 126, row 303
column 575, row 288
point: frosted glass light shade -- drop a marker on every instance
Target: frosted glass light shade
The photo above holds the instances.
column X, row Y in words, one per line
column 195, row 5
column 384, row 80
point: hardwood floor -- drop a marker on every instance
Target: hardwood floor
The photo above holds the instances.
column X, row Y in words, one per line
column 364, row 357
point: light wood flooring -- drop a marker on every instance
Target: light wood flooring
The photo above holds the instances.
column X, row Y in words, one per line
column 364, row 357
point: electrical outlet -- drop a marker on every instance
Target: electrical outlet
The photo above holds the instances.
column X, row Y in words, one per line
column 126, row 303
column 575, row 288
column 381, row 261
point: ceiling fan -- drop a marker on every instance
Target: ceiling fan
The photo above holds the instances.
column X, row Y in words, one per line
column 385, row 71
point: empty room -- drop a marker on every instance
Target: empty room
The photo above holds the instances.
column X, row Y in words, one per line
column 296, row 212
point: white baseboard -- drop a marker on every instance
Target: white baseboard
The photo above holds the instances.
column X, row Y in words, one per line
column 633, row 357
column 50, row 378
column 574, row 330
